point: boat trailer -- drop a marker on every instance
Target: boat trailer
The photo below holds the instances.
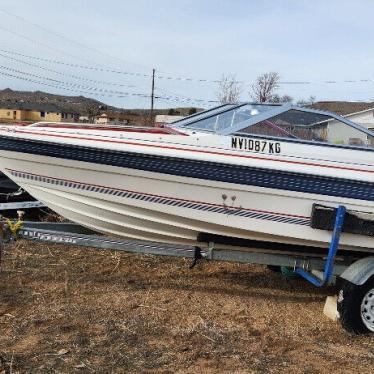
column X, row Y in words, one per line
column 352, row 272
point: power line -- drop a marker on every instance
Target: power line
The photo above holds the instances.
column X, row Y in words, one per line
column 77, row 85
column 167, row 77
column 66, row 74
column 87, row 67
column 110, row 70
column 106, row 93
column 187, row 100
column 179, row 96
column 68, row 39
column 173, row 78
column 42, row 44
column 124, row 94
column 175, row 98
column 91, row 90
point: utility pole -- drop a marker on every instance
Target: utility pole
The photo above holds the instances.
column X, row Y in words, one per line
column 152, row 95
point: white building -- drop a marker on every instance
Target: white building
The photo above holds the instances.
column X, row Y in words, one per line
column 166, row 118
column 346, row 135
column 84, row 119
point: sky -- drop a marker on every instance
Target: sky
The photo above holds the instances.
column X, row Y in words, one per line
column 107, row 49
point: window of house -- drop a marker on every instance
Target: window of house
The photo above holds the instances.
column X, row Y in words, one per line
column 42, row 114
column 8, row 114
column 62, row 115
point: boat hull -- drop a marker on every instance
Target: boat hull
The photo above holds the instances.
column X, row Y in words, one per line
column 173, row 209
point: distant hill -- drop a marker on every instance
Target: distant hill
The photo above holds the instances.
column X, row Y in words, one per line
column 81, row 104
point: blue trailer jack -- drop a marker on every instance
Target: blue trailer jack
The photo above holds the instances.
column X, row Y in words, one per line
column 333, row 248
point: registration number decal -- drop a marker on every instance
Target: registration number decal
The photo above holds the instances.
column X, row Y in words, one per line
column 255, row 145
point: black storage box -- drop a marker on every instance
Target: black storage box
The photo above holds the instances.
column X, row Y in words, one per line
column 323, row 218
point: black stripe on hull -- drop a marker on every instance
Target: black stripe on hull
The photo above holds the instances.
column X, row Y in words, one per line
column 213, row 171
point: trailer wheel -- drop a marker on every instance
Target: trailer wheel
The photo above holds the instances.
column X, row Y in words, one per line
column 356, row 306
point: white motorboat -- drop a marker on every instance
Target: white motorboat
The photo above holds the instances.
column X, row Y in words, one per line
column 242, row 172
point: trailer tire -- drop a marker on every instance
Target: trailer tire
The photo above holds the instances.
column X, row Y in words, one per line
column 350, row 300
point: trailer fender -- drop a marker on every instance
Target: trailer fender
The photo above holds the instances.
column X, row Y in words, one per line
column 360, row 271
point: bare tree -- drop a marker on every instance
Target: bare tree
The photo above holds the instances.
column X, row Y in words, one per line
column 306, row 102
column 264, row 87
column 280, row 99
column 312, row 99
column 229, row 90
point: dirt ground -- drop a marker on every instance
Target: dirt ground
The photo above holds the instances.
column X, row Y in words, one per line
column 69, row 310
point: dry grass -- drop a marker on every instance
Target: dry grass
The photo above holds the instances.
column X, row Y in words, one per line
column 81, row 310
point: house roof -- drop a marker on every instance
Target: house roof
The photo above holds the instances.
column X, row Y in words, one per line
column 42, row 107
column 360, row 112
column 343, row 108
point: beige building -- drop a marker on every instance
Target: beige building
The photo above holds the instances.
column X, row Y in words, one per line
column 34, row 112
column 163, row 119
column 111, row 119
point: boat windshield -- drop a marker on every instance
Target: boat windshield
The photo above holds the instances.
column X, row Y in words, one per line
column 223, row 117
column 280, row 121
column 310, row 126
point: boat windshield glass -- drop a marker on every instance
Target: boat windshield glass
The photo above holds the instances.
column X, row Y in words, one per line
column 224, row 117
column 297, row 124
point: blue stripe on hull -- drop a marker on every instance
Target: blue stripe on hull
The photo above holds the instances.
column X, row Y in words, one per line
column 214, row 171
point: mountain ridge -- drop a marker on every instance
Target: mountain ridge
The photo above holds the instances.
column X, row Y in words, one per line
column 81, row 104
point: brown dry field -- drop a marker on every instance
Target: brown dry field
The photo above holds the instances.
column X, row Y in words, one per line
column 67, row 310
